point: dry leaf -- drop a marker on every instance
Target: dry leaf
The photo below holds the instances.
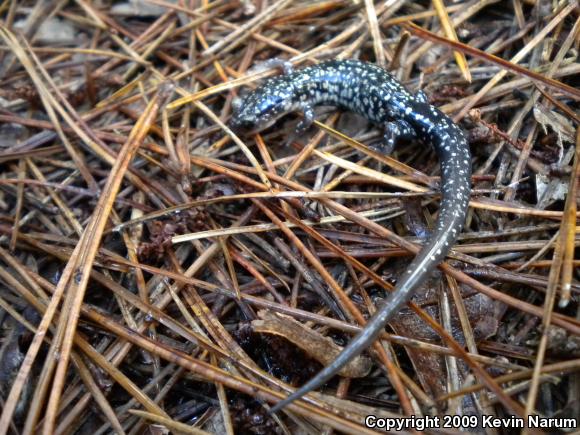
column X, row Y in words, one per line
column 321, row 348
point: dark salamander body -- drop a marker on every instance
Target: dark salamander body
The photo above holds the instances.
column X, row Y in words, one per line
column 372, row 92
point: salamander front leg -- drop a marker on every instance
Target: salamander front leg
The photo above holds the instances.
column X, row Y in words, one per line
column 282, row 64
column 422, row 97
column 394, row 131
column 308, row 113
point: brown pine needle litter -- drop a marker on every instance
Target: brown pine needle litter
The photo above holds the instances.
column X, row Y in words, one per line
column 161, row 274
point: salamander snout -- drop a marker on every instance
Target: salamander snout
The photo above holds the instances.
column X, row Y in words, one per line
column 240, row 124
column 258, row 110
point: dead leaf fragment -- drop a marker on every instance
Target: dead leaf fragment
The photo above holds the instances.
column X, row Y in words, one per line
column 558, row 123
column 321, row 348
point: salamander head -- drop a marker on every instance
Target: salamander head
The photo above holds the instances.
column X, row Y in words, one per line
column 261, row 108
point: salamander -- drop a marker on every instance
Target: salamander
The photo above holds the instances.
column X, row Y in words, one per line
column 372, row 92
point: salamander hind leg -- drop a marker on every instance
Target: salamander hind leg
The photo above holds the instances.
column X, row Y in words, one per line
column 395, row 131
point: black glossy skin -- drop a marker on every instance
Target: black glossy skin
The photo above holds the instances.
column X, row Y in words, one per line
column 373, row 93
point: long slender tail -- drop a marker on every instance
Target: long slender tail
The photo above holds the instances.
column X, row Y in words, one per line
column 453, row 153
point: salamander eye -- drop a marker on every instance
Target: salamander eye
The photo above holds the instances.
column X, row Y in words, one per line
column 265, row 107
column 269, row 106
